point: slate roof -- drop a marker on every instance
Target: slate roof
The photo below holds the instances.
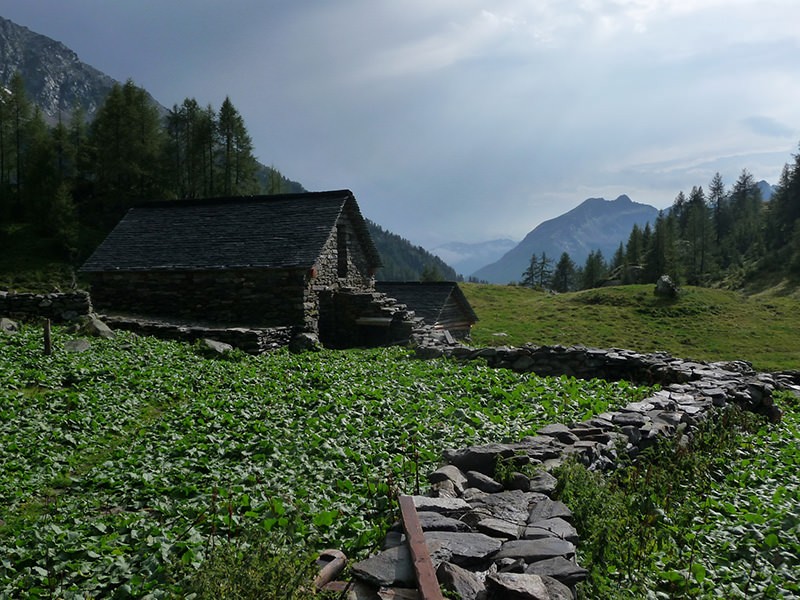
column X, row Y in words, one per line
column 274, row 232
column 428, row 299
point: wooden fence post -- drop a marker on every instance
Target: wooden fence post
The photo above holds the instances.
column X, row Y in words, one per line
column 48, row 342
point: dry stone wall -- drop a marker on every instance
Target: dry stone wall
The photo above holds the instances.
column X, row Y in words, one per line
column 56, row 306
column 252, row 341
column 491, row 539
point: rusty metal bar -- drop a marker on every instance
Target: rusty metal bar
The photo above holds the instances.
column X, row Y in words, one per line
column 420, row 556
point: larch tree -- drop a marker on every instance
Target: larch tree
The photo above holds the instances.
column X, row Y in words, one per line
column 564, row 274
column 594, row 270
column 716, row 198
column 127, row 145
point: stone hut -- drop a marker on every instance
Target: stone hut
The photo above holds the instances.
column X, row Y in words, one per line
column 441, row 304
column 259, row 261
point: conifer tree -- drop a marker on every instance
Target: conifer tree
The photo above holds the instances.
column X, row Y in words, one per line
column 39, row 169
column 594, row 270
column 784, row 208
column 699, row 237
column 62, row 221
column 564, row 274
column 745, row 239
column 716, row 198
column 618, row 260
column 239, row 166
column 635, row 247
column 539, row 272
column 127, row 149
column 5, row 151
column 661, row 258
column 19, row 114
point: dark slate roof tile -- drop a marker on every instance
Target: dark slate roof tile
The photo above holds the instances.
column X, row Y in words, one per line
column 275, row 232
column 427, row 298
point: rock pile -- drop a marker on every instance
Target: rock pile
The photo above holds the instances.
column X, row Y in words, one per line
column 484, row 544
column 491, row 539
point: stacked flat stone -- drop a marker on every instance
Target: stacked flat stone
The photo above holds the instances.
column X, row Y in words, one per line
column 483, row 540
column 499, row 540
column 718, row 382
column 56, row 306
column 252, row 341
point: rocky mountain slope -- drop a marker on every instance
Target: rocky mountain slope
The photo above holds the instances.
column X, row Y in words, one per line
column 56, row 80
column 596, row 224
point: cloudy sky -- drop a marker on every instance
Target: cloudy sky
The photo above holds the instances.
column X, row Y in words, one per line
column 459, row 120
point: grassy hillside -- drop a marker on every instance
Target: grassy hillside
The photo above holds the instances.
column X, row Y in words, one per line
column 702, row 323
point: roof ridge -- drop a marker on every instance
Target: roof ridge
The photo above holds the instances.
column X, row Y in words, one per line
column 342, row 194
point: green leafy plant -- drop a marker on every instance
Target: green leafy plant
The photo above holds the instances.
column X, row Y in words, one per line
column 713, row 518
column 122, row 463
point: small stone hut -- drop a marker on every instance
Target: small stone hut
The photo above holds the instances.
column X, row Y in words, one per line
column 441, row 304
column 259, row 261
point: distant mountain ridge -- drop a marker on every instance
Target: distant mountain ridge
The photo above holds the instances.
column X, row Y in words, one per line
column 766, row 189
column 468, row 257
column 595, row 224
column 403, row 261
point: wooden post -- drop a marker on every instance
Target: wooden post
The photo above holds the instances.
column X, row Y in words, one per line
column 48, row 342
column 423, row 565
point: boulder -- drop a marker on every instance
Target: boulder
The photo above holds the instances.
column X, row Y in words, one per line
column 555, row 527
column 433, row 521
column 304, row 342
column 78, row 345
column 440, row 505
column 476, row 479
column 8, row 326
column 479, row 458
column 91, row 325
column 534, row 550
column 666, row 288
column 464, row 548
column 511, row 506
column 499, row 528
column 394, row 566
column 451, row 473
column 548, row 509
column 214, row 347
column 543, row 482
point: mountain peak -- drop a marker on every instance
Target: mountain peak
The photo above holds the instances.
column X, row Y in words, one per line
column 595, row 224
column 55, row 79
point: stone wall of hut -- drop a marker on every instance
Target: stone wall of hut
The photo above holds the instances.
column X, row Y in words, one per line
column 234, row 297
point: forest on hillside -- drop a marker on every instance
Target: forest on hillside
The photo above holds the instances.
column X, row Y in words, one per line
column 79, row 174
column 730, row 237
column 72, row 181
